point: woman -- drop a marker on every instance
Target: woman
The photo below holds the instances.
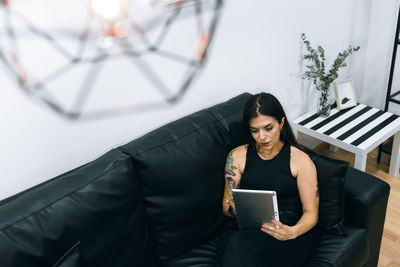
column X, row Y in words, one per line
column 271, row 161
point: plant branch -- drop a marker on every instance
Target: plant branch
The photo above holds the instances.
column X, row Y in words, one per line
column 316, row 70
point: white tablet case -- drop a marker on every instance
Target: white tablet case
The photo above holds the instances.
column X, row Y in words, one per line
column 255, row 207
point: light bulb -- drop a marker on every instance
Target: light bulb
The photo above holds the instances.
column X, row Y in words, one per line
column 108, row 9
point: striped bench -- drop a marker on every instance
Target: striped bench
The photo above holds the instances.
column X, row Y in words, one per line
column 359, row 130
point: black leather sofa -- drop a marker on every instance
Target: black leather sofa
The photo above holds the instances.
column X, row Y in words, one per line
column 156, row 201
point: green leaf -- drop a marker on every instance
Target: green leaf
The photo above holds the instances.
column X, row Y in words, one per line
column 315, row 69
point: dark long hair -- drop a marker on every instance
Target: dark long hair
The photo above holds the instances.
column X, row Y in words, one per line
column 268, row 105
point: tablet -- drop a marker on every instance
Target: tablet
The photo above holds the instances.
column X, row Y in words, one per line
column 255, row 207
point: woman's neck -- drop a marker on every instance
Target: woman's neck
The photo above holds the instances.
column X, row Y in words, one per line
column 270, row 153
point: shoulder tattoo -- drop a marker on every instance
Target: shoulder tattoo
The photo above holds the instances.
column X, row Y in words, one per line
column 229, row 167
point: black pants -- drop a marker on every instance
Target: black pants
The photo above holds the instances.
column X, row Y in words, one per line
column 252, row 247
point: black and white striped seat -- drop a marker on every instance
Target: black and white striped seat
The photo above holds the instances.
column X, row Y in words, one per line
column 358, row 129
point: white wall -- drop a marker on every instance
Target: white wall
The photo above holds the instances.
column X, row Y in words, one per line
column 256, row 48
column 379, row 46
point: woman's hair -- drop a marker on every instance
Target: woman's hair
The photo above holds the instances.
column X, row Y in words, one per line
column 266, row 104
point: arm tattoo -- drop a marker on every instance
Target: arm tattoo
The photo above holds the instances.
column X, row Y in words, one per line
column 317, row 192
column 229, row 167
column 229, row 185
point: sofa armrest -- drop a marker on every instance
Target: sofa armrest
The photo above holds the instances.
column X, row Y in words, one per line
column 365, row 205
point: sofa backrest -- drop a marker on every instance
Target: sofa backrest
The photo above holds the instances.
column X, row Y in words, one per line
column 90, row 216
column 180, row 169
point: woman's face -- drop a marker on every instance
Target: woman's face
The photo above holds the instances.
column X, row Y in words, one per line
column 266, row 131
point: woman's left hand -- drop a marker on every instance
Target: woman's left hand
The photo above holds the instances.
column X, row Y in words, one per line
column 279, row 230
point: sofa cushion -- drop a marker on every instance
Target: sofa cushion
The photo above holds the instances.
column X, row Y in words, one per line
column 331, row 177
column 97, row 206
column 232, row 121
column 71, row 258
column 346, row 250
column 180, row 167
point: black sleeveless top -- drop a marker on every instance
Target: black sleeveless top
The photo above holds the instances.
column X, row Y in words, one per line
column 274, row 174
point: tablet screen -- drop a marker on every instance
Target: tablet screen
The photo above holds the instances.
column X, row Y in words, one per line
column 255, row 207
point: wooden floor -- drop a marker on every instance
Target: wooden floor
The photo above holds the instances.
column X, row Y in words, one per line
column 390, row 248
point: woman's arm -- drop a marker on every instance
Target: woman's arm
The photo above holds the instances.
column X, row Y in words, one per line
column 233, row 174
column 308, row 189
column 304, row 169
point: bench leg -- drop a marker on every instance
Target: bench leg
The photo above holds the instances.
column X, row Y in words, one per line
column 378, row 159
column 360, row 161
column 395, row 157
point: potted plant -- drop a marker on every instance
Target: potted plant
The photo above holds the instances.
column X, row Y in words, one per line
column 322, row 78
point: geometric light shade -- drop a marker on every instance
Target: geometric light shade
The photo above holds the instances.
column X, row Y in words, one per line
column 92, row 58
